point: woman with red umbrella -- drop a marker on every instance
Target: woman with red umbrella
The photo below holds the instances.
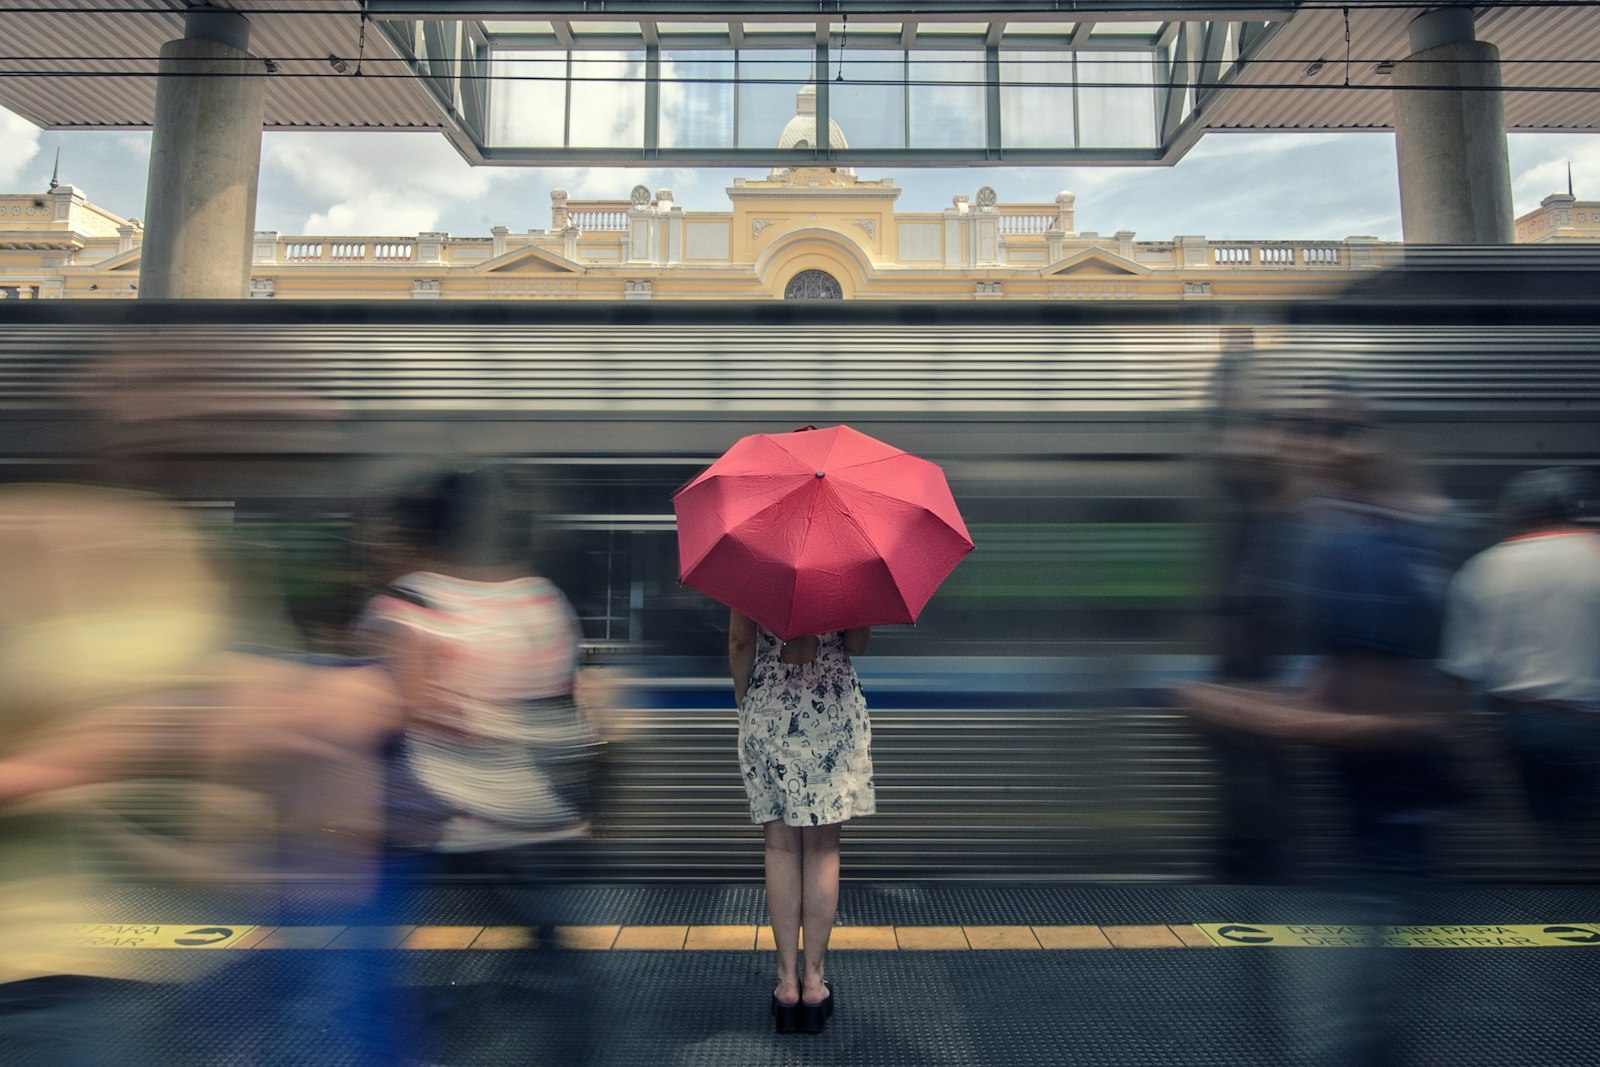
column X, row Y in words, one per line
column 811, row 538
column 805, row 747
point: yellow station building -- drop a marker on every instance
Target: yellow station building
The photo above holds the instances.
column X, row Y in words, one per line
column 797, row 233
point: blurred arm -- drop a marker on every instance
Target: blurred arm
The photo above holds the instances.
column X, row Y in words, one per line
column 741, row 653
column 855, row 641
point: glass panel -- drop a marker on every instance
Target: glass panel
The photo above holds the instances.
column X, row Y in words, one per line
column 700, row 28
column 947, row 100
column 841, row 28
column 1117, row 99
column 1036, row 29
column 527, row 99
column 780, row 27
column 1115, row 29
column 630, row 29
column 870, row 103
column 934, row 29
column 492, row 28
column 697, row 99
column 607, row 100
column 770, row 80
column 1036, row 100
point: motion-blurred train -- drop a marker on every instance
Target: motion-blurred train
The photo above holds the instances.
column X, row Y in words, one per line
column 1020, row 731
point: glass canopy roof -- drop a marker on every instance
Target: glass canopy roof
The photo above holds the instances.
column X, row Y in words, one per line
column 719, row 91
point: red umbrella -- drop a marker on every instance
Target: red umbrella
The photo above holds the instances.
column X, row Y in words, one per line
column 819, row 530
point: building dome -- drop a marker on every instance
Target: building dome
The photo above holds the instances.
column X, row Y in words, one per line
column 801, row 132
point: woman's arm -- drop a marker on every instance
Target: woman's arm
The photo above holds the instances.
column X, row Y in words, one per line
column 741, row 653
column 855, row 641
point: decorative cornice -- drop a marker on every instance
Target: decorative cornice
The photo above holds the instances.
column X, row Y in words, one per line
column 789, row 192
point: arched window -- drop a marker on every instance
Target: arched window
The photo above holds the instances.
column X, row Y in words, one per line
column 813, row 285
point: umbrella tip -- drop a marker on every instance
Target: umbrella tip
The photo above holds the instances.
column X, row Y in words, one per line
column 820, row 473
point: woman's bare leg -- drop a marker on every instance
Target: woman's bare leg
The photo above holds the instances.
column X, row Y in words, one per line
column 819, row 902
column 784, row 869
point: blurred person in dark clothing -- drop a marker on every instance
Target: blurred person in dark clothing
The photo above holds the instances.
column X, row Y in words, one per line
column 1522, row 627
column 1366, row 578
column 1255, row 626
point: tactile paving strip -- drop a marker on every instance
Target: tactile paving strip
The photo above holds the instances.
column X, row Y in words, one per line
column 882, row 904
column 929, row 1009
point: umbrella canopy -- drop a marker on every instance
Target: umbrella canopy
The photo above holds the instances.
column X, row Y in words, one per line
column 819, row 530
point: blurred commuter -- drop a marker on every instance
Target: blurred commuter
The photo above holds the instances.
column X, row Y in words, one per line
column 1256, row 633
column 1523, row 628
column 1367, row 581
column 805, row 747
column 119, row 699
column 490, row 781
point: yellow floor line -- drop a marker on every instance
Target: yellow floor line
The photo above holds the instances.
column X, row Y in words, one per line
column 744, row 938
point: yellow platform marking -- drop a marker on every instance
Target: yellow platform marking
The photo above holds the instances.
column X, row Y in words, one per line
column 301, row 937
column 587, row 937
column 1001, row 937
column 499, row 937
column 1325, row 935
column 651, row 937
column 930, row 937
column 721, row 938
column 372, row 937
column 740, row 938
column 853, row 938
column 1064, row 937
column 442, row 937
column 254, row 938
column 1141, row 937
column 151, row 935
column 1191, row 935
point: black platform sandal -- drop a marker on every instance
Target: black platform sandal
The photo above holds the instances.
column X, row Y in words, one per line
column 814, row 1017
column 785, row 1017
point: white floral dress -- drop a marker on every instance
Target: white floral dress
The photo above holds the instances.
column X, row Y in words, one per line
column 805, row 743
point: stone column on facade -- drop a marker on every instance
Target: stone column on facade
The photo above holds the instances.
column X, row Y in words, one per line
column 986, row 229
column 125, row 238
column 1558, row 207
column 66, row 198
column 1065, row 212
column 569, row 242
column 1450, row 135
column 671, row 232
column 957, row 248
column 430, row 247
column 558, row 209
column 1124, row 243
column 205, row 161
column 641, row 221
column 1053, row 242
column 1190, row 250
column 501, row 235
column 266, row 249
column 1359, row 251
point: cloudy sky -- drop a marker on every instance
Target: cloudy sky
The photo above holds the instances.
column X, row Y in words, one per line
column 1235, row 186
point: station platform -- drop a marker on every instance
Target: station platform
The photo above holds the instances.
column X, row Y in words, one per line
column 924, row 974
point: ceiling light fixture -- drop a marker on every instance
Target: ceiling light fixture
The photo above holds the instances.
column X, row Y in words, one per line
column 338, row 64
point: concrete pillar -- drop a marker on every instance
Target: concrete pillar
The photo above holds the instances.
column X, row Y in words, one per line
column 205, row 160
column 1450, row 135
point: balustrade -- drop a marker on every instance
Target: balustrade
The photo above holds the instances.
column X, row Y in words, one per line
column 593, row 221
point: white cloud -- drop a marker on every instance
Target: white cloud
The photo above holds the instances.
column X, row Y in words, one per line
column 1539, row 167
column 368, row 183
column 19, row 143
